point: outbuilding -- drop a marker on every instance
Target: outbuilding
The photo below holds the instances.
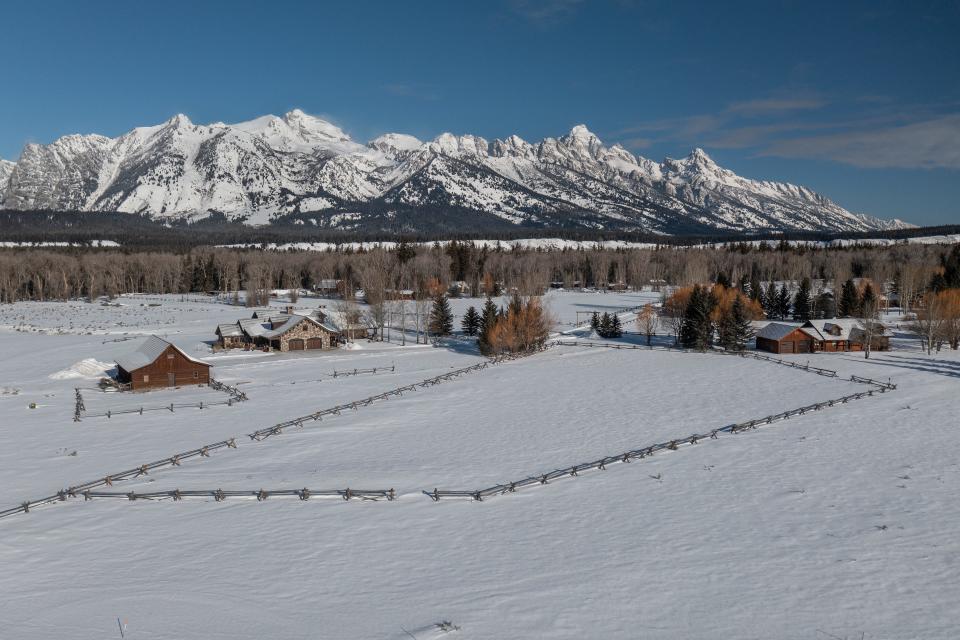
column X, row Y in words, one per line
column 157, row 363
column 230, row 336
column 784, row 338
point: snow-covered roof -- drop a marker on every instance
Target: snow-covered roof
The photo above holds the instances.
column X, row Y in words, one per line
column 293, row 321
column 841, row 329
column 834, row 328
column 813, row 333
column 253, row 327
column 776, row 331
column 147, row 352
column 229, row 330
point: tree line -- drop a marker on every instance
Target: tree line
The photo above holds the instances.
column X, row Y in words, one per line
column 71, row 273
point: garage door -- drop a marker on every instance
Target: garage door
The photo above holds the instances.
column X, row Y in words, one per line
column 315, row 343
column 786, row 347
column 296, row 344
column 803, row 346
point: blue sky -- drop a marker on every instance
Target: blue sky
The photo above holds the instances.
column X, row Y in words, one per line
column 858, row 100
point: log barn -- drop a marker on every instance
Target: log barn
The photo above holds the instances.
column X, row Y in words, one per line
column 157, row 364
column 784, row 338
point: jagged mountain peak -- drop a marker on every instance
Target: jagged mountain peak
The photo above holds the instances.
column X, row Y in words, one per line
column 699, row 157
column 297, row 164
column 179, row 121
column 450, row 144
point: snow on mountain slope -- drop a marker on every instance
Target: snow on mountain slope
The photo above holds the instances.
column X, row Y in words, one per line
column 270, row 167
column 6, row 168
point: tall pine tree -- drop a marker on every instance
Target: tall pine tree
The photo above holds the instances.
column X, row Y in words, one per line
column 488, row 323
column 770, row 306
column 595, row 322
column 783, row 302
column 697, row 329
column 616, row 331
column 849, row 305
column 605, row 326
column 471, row 322
column 802, row 302
column 441, row 316
column 734, row 328
column 868, row 301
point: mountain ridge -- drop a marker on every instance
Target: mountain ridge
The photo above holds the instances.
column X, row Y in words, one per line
column 302, row 169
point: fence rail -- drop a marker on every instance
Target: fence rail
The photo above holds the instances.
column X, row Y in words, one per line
column 234, row 395
column 177, row 459
column 219, row 495
column 636, row 454
column 743, row 354
column 318, row 416
column 357, row 372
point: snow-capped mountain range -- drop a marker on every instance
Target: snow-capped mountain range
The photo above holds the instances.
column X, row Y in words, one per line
column 299, row 168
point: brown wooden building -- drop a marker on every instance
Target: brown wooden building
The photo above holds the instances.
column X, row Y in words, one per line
column 814, row 336
column 157, row 364
column 784, row 338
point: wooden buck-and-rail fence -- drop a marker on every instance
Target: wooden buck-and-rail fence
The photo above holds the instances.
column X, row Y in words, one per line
column 205, row 451
column 643, row 452
column 234, row 395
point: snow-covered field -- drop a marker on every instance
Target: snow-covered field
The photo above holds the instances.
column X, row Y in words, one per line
column 839, row 523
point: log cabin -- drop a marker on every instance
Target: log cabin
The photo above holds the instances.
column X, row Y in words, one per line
column 814, row 336
column 157, row 364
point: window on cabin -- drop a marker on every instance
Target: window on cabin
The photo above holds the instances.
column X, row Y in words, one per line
column 146, row 377
column 169, row 356
column 196, row 374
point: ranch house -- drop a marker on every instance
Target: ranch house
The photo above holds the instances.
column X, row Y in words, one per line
column 157, row 363
column 813, row 336
column 299, row 333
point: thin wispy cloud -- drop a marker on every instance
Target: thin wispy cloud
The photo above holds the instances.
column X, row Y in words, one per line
column 930, row 144
column 879, row 136
column 775, row 105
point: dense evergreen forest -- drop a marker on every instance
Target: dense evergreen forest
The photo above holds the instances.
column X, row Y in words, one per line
column 140, row 231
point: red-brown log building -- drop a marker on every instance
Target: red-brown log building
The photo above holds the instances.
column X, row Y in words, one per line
column 157, row 364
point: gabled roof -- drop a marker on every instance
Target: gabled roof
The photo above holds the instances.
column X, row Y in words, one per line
column 293, row 321
column 813, row 333
column 776, row 331
column 253, row 327
column 229, row 330
column 834, row 329
column 149, row 351
column 847, row 329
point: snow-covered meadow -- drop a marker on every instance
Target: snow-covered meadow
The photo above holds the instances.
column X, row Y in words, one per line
column 839, row 523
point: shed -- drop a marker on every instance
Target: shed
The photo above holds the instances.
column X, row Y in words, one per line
column 230, row 335
column 157, row 363
column 784, row 338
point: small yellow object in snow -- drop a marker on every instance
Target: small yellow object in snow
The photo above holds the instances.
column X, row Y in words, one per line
column 33, row 405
